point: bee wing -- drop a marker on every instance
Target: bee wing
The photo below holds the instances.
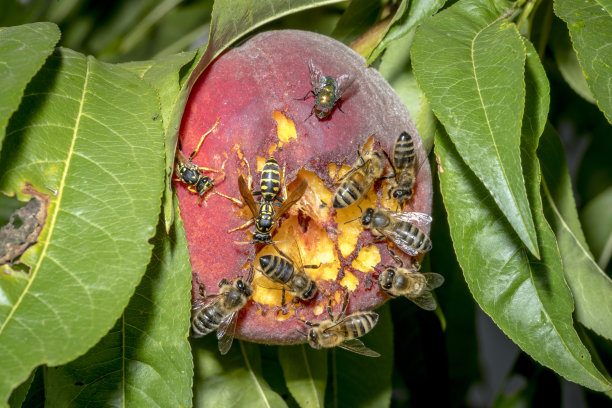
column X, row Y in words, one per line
column 399, row 241
column 434, row 280
column 292, row 199
column 266, row 283
column 199, row 304
column 247, row 194
column 419, row 218
column 357, row 346
column 344, row 82
column 315, row 76
column 425, row 300
column 225, row 332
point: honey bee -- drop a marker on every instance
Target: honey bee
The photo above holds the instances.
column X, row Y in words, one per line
column 399, row 228
column 326, row 90
column 416, row 286
column 342, row 331
column 265, row 216
column 191, row 174
column 289, row 273
column 359, row 179
column 220, row 312
column 403, row 165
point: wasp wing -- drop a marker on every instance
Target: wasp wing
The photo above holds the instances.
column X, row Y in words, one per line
column 292, row 199
column 357, row 346
column 425, row 300
column 344, row 82
column 316, row 76
column 419, row 218
column 247, row 194
column 225, row 332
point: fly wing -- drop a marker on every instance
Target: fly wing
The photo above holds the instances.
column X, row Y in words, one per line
column 292, row 199
column 247, row 195
column 357, row 346
column 344, row 82
column 316, row 75
column 225, row 332
column 419, row 218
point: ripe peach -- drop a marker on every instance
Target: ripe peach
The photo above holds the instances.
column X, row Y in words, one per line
column 256, row 91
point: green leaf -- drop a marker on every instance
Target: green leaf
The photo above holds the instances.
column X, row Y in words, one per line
column 358, row 16
column 233, row 380
column 163, row 75
column 597, row 220
column 590, row 27
column 23, row 50
column 567, row 61
column 145, row 359
column 83, row 130
column 395, row 68
column 526, row 297
column 470, row 65
column 305, row 371
column 20, row 393
column 359, row 381
column 408, row 16
column 591, row 287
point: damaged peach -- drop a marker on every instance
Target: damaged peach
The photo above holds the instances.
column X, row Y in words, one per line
column 255, row 90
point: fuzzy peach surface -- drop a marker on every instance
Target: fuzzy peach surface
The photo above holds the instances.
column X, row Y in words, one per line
column 253, row 91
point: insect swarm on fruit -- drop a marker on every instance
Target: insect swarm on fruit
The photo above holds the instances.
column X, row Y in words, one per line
column 252, row 90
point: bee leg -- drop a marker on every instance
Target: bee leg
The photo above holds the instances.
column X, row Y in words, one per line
column 246, row 224
column 201, row 294
column 283, row 299
column 284, row 191
column 416, row 264
column 312, row 266
column 197, row 149
column 307, row 323
column 344, row 305
column 397, row 258
column 329, row 309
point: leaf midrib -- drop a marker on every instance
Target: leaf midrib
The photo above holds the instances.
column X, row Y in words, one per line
column 60, row 190
column 311, row 380
column 252, row 374
column 472, row 46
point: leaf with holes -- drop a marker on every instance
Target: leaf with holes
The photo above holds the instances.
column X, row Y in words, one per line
column 84, row 130
column 470, row 64
column 23, row 50
column 146, row 355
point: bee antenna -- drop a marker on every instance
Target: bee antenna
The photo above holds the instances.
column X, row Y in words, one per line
column 354, row 219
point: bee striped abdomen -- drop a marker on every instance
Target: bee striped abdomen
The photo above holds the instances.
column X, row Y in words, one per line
column 404, row 155
column 359, row 324
column 270, row 180
column 207, row 321
column 276, row 268
column 413, row 236
column 350, row 191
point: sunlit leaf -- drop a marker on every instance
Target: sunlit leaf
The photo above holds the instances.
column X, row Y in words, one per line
column 359, row 381
column 591, row 287
column 163, row 75
column 145, row 359
column 84, row 130
column 470, row 64
column 23, row 50
column 408, row 16
column 526, row 297
column 305, row 371
column 590, row 26
column 233, row 380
